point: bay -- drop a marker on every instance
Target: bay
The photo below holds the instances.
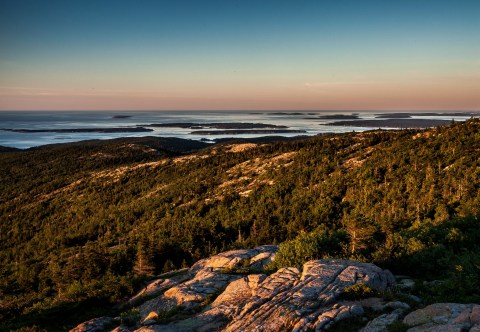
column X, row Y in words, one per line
column 300, row 122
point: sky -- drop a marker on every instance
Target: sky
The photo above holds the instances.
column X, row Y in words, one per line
column 240, row 55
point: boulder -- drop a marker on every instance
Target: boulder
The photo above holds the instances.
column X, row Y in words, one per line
column 247, row 259
column 151, row 318
column 94, row 325
column 444, row 317
column 392, row 305
column 381, row 323
column 406, row 284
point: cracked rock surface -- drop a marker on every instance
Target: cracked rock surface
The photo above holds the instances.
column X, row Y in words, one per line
column 94, row 325
column 208, row 278
column 288, row 299
column 445, row 317
column 232, row 292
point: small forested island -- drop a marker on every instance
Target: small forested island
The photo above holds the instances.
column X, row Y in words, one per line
column 247, row 131
column 339, row 117
column 337, row 232
column 393, row 116
column 121, row 116
column 287, row 113
column 83, row 130
column 395, row 122
column 215, row 125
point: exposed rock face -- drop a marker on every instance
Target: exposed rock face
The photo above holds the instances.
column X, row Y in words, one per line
column 160, row 285
column 445, row 317
column 250, row 259
column 120, row 328
column 191, row 294
column 381, row 323
column 208, row 278
column 231, row 292
column 94, row 325
column 288, row 300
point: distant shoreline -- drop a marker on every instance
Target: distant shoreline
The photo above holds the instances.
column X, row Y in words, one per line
column 216, row 125
column 82, row 130
column 247, row 131
column 392, row 123
column 22, row 130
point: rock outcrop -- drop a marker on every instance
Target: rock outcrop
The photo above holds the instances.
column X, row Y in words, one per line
column 232, row 292
column 94, row 325
column 382, row 322
column 207, row 278
column 308, row 300
column 166, row 281
column 449, row 317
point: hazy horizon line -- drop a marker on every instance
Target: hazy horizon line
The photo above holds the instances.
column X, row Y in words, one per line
column 249, row 110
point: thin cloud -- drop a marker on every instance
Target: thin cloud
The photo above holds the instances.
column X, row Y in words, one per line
column 29, row 91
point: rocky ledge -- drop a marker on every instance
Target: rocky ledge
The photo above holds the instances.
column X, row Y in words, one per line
column 232, row 291
column 450, row 317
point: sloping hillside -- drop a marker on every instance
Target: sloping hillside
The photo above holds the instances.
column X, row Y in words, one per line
column 78, row 218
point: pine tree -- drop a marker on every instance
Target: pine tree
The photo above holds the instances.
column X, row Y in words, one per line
column 358, row 231
column 144, row 260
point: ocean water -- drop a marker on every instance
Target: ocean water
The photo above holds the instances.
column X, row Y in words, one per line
column 309, row 121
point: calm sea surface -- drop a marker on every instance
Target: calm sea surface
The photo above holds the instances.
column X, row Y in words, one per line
column 309, row 121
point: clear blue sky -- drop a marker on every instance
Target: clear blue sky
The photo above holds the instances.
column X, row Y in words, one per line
column 259, row 54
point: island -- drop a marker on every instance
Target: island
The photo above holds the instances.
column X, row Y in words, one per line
column 339, row 117
column 471, row 114
column 393, row 116
column 407, row 115
column 247, row 131
column 286, row 113
column 219, row 125
column 121, row 116
column 83, row 130
column 392, row 123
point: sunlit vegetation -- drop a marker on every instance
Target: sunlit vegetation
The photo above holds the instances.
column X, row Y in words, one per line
column 87, row 222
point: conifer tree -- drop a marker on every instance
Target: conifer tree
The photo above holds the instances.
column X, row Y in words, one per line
column 144, row 259
column 358, row 231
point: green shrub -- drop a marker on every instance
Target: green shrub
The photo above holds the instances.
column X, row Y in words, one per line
column 357, row 292
column 130, row 317
column 309, row 246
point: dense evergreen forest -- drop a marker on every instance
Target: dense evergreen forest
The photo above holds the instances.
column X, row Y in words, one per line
column 86, row 223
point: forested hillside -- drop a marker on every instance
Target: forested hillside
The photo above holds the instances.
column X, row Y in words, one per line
column 85, row 223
